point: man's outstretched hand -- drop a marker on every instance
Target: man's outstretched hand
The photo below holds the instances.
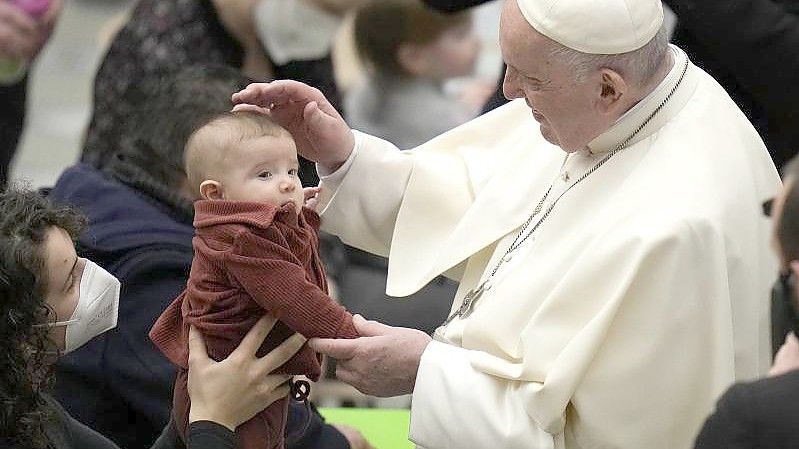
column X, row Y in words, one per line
column 320, row 132
column 382, row 362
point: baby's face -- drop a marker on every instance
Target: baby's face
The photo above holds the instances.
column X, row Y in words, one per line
column 263, row 170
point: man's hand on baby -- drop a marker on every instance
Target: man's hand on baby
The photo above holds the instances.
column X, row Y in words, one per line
column 383, row 362
column 311, row 194
column 320, row 132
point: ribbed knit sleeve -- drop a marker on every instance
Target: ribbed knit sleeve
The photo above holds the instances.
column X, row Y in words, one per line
column 276, row 280
column 169, row 335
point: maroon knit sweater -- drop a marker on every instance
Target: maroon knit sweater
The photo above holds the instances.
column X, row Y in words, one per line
column 251, row 258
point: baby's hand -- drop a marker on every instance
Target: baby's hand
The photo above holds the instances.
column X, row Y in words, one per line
column 310, row 197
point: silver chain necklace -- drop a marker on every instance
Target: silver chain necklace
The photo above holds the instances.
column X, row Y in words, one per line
column 474, row 294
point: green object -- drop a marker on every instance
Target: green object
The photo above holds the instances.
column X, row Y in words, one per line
column 11, row 71
column 383, row 428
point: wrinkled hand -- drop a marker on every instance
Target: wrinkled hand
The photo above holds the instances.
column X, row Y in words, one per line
column 382, row 362
column 22, row 36
column 354, row 437
column 310, row 194
column 234, row 390
column 787, row 358
column 320, row 132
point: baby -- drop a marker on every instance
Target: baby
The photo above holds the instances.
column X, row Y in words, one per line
column 256, row 250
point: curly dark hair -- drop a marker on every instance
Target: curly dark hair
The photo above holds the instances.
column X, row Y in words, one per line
column 25, row 218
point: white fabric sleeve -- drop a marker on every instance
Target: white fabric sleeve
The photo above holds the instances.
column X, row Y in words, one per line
column 359, row 202
column 455, row 406
column 335, row 177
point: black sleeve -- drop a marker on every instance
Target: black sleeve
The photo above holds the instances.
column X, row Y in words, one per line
column 453, row 5
column 210, row 435
column 756, row 39
column 12, row 120
column 201, row 435
column 70, row 433
column 731, row 425
column 316, row 435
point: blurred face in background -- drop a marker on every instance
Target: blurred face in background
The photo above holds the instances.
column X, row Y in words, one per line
column 456, row 51
column 452, row 54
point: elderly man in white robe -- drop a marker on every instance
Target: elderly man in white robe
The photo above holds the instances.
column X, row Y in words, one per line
column 604, row 228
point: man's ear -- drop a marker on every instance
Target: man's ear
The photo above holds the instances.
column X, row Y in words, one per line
column 795, row 267
column 612, row 89
column 211, row 190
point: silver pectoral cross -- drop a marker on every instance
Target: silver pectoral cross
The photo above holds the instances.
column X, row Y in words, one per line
column 468, row 303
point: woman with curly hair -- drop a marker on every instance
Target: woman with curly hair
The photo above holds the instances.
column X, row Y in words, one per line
column 52, row 302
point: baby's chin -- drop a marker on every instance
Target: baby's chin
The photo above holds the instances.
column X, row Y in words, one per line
column 289, row 205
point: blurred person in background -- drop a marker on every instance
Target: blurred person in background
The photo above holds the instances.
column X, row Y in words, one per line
column 750, row 47
column 762, row 414
column 21, row 37
column 164, row 36
column 54, row 302
column 409, row 52
column 140, row 213
column 497, row 99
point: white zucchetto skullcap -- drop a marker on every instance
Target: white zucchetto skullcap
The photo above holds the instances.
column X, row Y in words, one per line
column 602, row 27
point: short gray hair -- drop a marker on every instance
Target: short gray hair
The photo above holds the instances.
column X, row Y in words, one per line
column 637, row 67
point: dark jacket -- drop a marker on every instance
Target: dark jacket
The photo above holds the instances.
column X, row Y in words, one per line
column 64, row 432
column 12, row 119
column 755, row 415
column 119, row 383
column 750, row 47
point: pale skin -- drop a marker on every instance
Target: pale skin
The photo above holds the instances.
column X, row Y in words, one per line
column 570, row 114
column 213, row 396
column 22, row 36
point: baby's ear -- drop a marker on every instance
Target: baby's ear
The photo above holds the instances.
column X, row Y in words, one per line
column 211, row 190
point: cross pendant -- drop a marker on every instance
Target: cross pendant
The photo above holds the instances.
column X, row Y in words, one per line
column 466, row 306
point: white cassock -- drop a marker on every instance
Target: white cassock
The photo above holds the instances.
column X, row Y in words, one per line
column 619, row 321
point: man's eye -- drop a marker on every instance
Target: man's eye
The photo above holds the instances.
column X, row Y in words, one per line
column 265, row 175
column 293, row 172
column 533, row 84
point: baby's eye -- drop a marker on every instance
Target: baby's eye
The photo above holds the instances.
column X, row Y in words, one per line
column 265, row 175
column 293, row 172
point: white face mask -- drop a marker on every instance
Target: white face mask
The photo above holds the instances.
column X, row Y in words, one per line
column 97, row 308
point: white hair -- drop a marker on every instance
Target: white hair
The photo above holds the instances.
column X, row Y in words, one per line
column 637, row 67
